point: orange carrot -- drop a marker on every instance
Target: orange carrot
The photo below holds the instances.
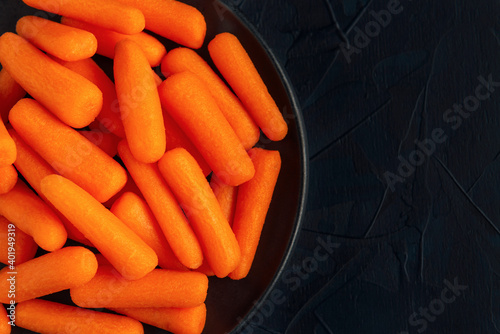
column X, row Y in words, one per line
column 176, row 320
column 67, row 151
column 205, row 269
column 5, row 323
column 200, row 205
column 177, row 138
column 61, row 41
column 43, row 316
column 226, row 196
column 109, row 14
column 31, row 215
column 107, row 142
column 237, row 68
column 118, row 243
column 34, row 169
column 101, row 260
column 8, row 178
column 24, row 246
column 130, row 186
column 165, row 208
column 191, row 105
column 183, row 59
column 252, row 205
column 7, row 147
column 135, row 213
column 10, row 93
column 53, row 272
column 159, row 288
column 139, row 103
column 72, row 98
column 109, row 116
column 174, row 20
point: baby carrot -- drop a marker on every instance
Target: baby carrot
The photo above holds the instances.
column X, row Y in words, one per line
column 174, row 20
column 176, row 320
column 200, row 205
column 44, row 316
column 140, row 106
column 153, row 49
column 237, row 68
column 188, row 101
column 8, row 178
column 118, row 243
column 205, row 269
column 109, row 14
column 24, row 246
column 10, row 93
column 7, row 147
column 130, row 186
column 67, row 151
column 252, row 205
column 183, row 59
column 107, row 142
column 135, row 213
column 61, row 41
column 5, row 324
column 165, row 208
column 31, row 215
column 159, row 288
column 72, row 98
column 53, row 272
column 226, row 196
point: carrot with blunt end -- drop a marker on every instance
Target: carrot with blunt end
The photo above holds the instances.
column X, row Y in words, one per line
column 67, row 151
column 205, row 269
column 186, row 98
column 8, row 178
column 44, row 316
column 175, row 20
column 153, row 49
column 159, row 288
column 131, row 256
column 109, row 14
column 72, row 98
column 183, row 59
column 165, row 208
column 141, row 113
column 10, row 93
column 176, row 320
column 107, row 142
column 53, row 272
column 196, row 198
column 135, row 213
column 29, row 213
column 226, row 196
column 130, row 186
column 7, row 147
column 254, row 198
column 24, row 249
column 5, row 323
column 237, row 68
column 61, row 41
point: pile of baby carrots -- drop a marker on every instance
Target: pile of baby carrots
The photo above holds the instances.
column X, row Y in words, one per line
column 158, row 180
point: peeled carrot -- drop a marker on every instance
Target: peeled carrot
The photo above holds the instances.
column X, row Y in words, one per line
column 67, row 151
column 109, row 14
column 72, row 98
column 61, row 41
column 165, row 208
column 43, row 316
column 53, row 272
column 159, row 288
column 5, row 324
column 107, row 142
column 118, row 243
column 176, row 320
column 107, row 40
column 130, row 186
column 7, row 147
column 200, row 205
column 109, row 116
column 8, row 178
column 235, row 65
column 31, row 215
column 183, row 59
column 174, row 20
column 10, row 93
column 226, row 196
column 188, row 101
column 252, row 205
column 205, row 269
column 24, row 246
column 135, row 213
column 140, row 106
